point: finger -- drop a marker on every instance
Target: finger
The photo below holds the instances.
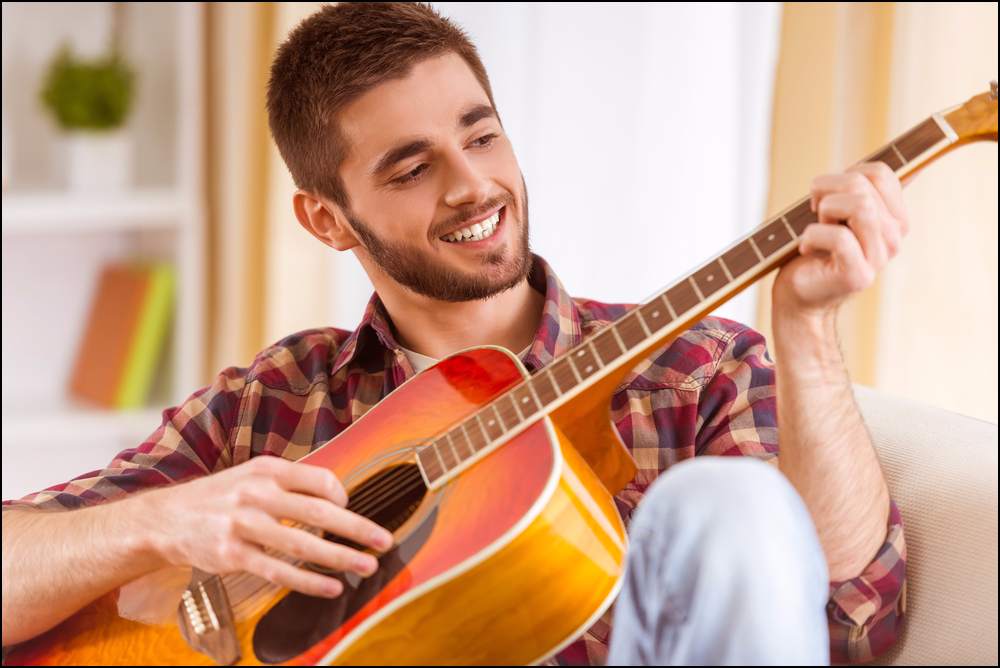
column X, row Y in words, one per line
column 889, row 188
column 258, row 527
column 292, row 577
column 325, row 515
column 840, row 243
column 861, row 214
column 831, row 184
column 300, row 477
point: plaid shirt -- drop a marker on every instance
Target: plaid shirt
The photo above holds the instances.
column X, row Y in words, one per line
column 710, row 392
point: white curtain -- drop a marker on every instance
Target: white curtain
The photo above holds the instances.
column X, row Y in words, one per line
column 642, row 131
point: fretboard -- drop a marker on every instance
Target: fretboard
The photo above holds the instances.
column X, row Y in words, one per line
column 655, row 322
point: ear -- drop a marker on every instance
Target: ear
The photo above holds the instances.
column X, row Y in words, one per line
column 324, row 220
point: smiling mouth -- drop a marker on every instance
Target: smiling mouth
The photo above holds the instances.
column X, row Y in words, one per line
column 477, row 231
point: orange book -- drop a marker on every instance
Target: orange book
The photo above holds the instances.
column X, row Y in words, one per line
column 115, row 311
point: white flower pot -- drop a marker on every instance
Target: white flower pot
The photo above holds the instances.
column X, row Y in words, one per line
column 99, row 161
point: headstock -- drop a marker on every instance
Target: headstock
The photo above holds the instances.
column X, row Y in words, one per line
column 976, row 120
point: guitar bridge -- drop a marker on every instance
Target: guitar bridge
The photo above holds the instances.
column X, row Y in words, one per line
column 206, row 619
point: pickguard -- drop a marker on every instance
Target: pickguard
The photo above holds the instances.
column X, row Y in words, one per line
column 298, row 621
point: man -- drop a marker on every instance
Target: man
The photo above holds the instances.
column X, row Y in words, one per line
column 386, row 120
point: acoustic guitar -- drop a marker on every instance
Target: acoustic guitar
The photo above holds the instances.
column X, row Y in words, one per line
column 496, row 484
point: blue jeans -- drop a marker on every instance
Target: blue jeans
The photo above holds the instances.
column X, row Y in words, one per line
column 724, row 567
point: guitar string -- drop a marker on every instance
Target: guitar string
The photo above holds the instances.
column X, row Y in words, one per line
column 412, row 484
column 404, row 470
column 405, row 485
column 246, row 595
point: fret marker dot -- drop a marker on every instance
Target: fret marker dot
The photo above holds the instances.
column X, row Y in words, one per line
column 710, row 277
column 524, row 400
column 580, row 353
column 589, row 368
column 490, row 423
column 770, row 237
column 656, row 314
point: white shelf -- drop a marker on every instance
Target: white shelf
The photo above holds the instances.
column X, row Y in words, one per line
column 56, row 241
column 62, row 424
column 44, row 447
column 44, row 212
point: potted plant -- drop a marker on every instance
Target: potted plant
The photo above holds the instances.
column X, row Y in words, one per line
column 90, row 101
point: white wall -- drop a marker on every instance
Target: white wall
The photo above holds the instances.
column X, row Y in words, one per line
column 642, row 131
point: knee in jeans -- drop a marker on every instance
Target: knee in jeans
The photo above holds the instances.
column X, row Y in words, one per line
column 727, row 506
column 736, row 495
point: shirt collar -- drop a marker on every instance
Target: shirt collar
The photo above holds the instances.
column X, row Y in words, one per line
column 558, row 331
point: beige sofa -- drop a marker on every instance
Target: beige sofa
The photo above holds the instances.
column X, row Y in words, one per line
column 942, row 471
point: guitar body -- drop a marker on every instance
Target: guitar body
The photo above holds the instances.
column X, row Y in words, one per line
column 508, row 544
column 505, row 564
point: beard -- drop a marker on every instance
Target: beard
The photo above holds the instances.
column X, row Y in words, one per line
column 424, row 274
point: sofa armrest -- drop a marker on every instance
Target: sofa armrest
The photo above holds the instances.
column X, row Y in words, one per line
column 941, row 468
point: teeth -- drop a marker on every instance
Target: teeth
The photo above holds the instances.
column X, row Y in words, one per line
column 476, row 231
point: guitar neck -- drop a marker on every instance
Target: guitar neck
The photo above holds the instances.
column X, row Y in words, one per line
column 591, row 370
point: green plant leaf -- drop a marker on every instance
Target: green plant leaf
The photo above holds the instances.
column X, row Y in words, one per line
column 88, row 95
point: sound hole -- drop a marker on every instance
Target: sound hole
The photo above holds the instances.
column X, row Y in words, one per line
column 388, row 498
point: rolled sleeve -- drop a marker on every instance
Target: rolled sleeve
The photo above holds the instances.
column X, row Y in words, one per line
column 191, row 441
column 866, row 611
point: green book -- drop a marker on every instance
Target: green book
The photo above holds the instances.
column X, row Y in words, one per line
column 148, row 340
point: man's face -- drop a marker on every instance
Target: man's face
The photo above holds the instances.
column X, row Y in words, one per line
column 427, row 158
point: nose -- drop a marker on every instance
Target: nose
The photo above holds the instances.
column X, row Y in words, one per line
column 467, row 184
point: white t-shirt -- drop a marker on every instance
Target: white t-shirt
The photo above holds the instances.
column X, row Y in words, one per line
column 421, row 362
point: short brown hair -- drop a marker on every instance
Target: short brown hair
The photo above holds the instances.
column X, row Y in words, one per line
column 335, row 56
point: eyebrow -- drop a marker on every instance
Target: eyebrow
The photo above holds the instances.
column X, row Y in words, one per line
column 403, row 151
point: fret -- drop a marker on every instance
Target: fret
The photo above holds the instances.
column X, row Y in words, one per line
column 544, row 389
column 492, row 428
column 487, row 439
column 618, row 338
column 666, row 302
column 771, row 238
column 508, row 417
column 593, row 351
column 725, row 269
column 629, row 330
column 898, row 155
column 461, row 435
column 584, row 362
column 890, row 155
column 446, row 440
column 444, row 469
column 755, row 249
column 507, row 401
column 524, row 398
column 788, row 227
column 740, row 258
column 709, row 279
column 500, row 420
column 432, row 468
column 479, row 441
column 459, row 456
column 800, row 216
column 576, row 372
column 563, row 375
column 608, row 346
column 682, row 297
column 697, row 290
column 449, row 458
column 642, row 321
column 655, row 313
column 552, row 379
column 919, row 139
column 531, row 388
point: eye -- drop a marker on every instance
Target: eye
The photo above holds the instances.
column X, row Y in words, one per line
column 485, row 139
column 482, row 142
column 411, row 175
